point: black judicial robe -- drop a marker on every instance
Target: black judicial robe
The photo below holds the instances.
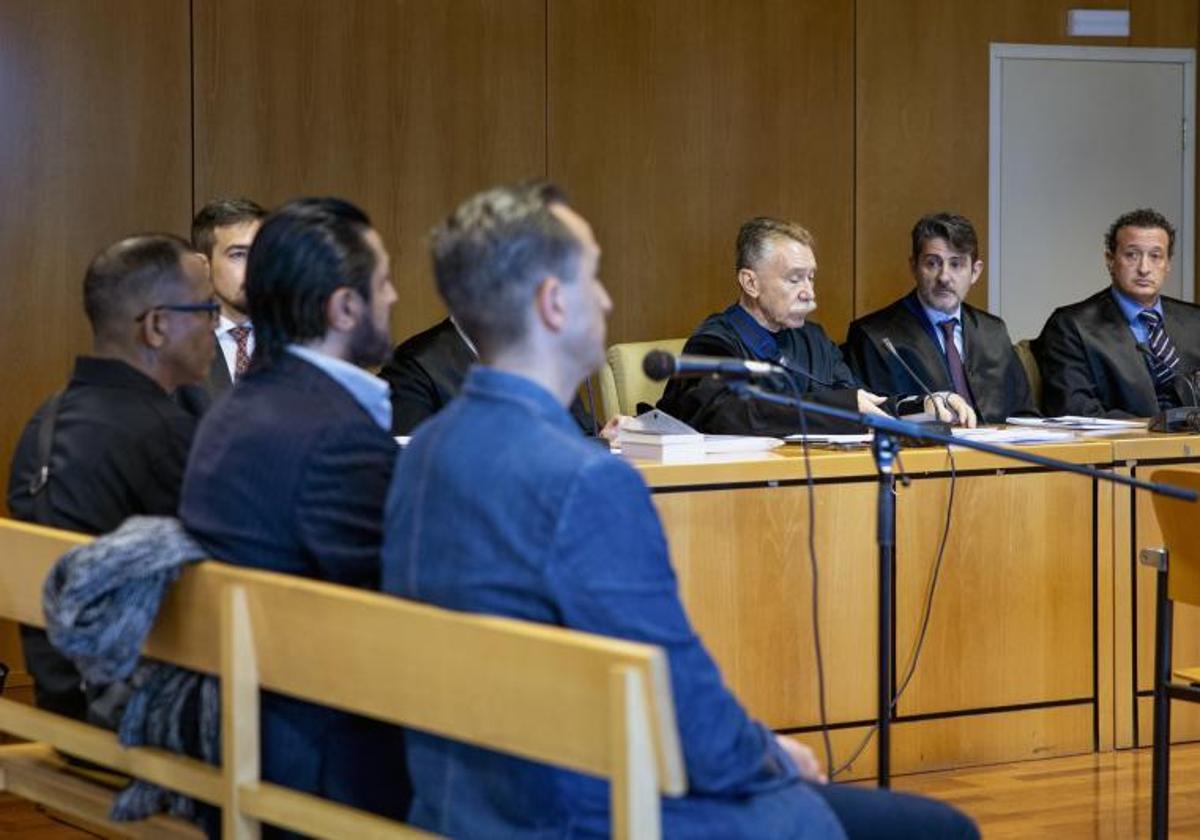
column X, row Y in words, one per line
column 999, row 387
column 426, row 371
column 708, row 405
column 1091, row 365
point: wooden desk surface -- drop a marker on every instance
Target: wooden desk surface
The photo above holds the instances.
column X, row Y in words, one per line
column 787, row 463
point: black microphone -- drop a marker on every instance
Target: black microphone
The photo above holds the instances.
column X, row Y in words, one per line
column 660, row 365
column 891, row 348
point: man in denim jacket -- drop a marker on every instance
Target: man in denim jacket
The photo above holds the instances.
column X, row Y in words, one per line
column 500, row 506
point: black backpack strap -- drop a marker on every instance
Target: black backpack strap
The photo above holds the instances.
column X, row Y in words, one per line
column 37, row 485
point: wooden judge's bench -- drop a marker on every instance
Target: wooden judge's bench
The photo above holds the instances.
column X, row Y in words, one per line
column 1040, row 639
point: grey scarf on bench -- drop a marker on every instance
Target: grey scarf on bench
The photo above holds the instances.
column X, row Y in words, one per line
column 100, row 602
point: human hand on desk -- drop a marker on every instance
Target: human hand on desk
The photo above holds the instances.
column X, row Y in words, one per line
column 804, row 759
column 613, row 426
column 951, row 408
column 869, row 403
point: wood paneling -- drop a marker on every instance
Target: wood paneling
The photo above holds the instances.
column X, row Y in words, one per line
column 403, row 107
column 743, row 565
column 95, row 143
column 1012, row 616
column 922, row 120
column 672, row 122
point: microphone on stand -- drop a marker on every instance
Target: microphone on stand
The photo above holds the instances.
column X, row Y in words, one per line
column 891, row 348
column 660, row 365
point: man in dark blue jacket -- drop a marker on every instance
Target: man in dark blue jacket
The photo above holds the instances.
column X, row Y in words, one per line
column 501, row 506
column 289, row 472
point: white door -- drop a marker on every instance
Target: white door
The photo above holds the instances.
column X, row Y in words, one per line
column 1078, row 136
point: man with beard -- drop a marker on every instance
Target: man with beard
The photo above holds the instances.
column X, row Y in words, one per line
column 289, row 472
column 951, row 346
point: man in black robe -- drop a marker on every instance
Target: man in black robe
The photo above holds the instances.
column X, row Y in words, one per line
column 427, row 370
column 776, row 269
column 978, row 362
column 1127, row 351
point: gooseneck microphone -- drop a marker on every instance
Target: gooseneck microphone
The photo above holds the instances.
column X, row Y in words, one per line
column 660, row 365
column 811, row 377
column 891, row 348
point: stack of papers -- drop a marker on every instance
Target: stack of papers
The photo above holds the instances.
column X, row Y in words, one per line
column 684, row 449
column 1017, row 435
column 1080, row 424
column 655, row 436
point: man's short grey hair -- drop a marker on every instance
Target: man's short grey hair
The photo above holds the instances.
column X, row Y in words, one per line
column 491, row 254
column 758, row 234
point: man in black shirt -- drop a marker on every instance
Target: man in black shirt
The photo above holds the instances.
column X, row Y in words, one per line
column 114, row 443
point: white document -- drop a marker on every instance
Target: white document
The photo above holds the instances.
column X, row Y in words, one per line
column 1017, row 435
column 1070, row 421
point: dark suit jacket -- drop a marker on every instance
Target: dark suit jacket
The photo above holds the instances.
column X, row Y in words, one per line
column 1091, row 365
column 427, row 371
column 709, row 405
column 999, row 387
column 289, row 473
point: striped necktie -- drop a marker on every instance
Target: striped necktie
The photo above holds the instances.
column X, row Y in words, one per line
column 1162, row 357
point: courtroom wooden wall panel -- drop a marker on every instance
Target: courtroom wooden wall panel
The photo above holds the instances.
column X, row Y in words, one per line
column 743, row 565
column 1012, row 616
column 95, row 143
column 922, row 114
column 671, row 122
column 403, row 107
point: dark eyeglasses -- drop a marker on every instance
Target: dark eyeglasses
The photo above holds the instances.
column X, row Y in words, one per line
column 211, row 307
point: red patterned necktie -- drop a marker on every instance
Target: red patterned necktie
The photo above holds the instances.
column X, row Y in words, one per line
column 241, row 335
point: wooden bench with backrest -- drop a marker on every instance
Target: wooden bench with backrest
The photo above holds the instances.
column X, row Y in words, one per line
column 583, row 702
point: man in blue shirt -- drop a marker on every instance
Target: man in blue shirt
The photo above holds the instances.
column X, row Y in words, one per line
column 500, row 506
column 1127, row 351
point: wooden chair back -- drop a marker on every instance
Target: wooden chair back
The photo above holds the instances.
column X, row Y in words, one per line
column 1180, row 524
column 623, row 384
column 575, row 700
column 1033, row 371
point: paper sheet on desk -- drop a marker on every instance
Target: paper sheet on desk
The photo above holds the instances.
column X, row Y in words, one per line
column 1015, row 435
column 1070, row 421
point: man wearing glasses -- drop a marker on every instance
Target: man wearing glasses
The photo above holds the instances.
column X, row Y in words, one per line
column 114, row 443
column 1127, row 350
